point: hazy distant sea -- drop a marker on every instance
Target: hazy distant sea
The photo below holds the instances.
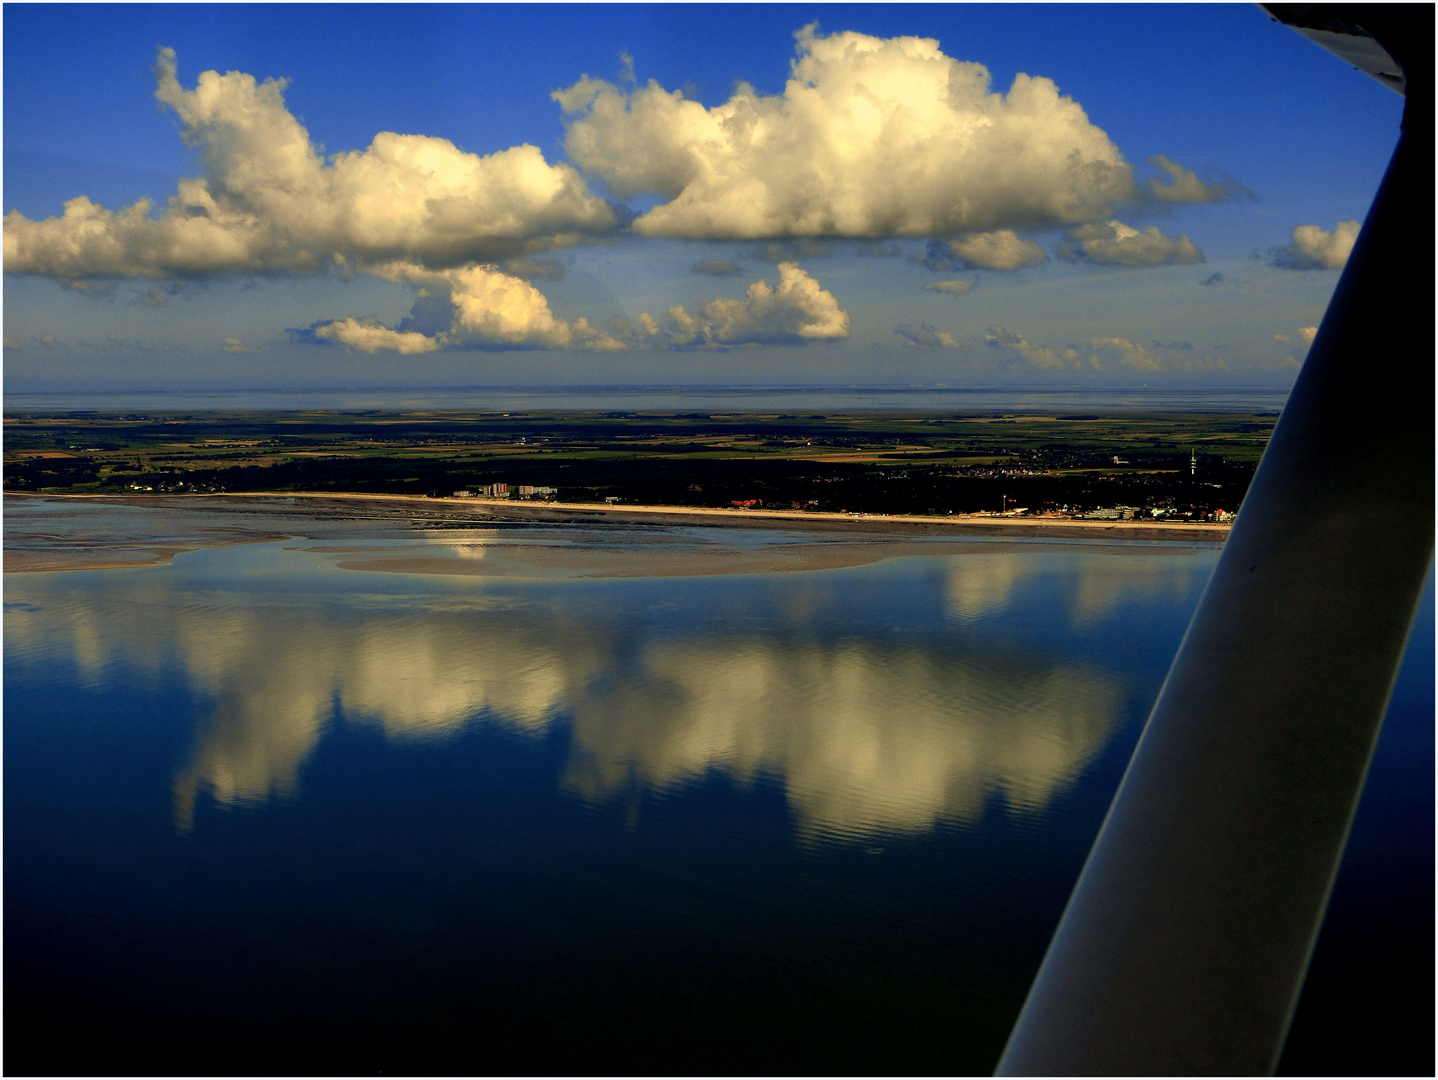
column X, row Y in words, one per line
column 670, row 399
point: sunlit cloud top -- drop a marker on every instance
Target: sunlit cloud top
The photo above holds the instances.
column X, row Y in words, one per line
column 805, row 205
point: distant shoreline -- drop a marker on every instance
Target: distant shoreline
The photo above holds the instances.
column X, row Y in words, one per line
column 990, row 524
column 665, row 398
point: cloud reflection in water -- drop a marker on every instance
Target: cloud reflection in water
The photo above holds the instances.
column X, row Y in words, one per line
column 1087, row 589
column 867, row 738
column 868, row 733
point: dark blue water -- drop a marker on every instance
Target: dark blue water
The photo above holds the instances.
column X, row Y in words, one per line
column 263, row 814
column 1368, row 1004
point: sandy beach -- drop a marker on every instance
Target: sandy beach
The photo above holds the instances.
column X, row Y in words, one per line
column 992, row 523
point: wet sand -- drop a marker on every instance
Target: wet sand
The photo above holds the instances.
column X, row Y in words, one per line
column 584, row 561
column 24, row 562
column 507, row 539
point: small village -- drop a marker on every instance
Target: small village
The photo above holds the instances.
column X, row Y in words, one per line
column 501, row 491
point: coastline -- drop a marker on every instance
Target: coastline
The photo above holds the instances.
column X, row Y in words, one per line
column 708, row 515
column 1027, row 526
column 825, row 540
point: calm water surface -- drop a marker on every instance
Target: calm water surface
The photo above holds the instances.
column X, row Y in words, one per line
column 761, row 399
column 264, row 813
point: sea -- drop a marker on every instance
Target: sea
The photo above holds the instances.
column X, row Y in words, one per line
column 327, row 794
column 643, row 399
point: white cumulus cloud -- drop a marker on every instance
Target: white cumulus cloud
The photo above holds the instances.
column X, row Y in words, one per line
column 1314, row 248
column 798, row 310
column 1104, row 354
column 871, row 137
column 952, row 288
column 474, row 306
column 1115, row 243
column 1308, row 333
column 483, row 307
column 925, row 336
column 369, row 336
column 1158, row 356
column 1013, row 343
column 269, row 201
column 1127, row 354
column 1002, row 249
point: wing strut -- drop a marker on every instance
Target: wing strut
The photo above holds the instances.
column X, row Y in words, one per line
column 1186, row 939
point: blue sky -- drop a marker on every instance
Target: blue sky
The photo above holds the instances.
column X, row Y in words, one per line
column 888, row 218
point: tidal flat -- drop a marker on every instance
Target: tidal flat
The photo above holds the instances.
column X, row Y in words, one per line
column 548, row 796
column 487, row 539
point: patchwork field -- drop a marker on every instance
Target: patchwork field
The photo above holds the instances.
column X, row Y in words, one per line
column 905, row 463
